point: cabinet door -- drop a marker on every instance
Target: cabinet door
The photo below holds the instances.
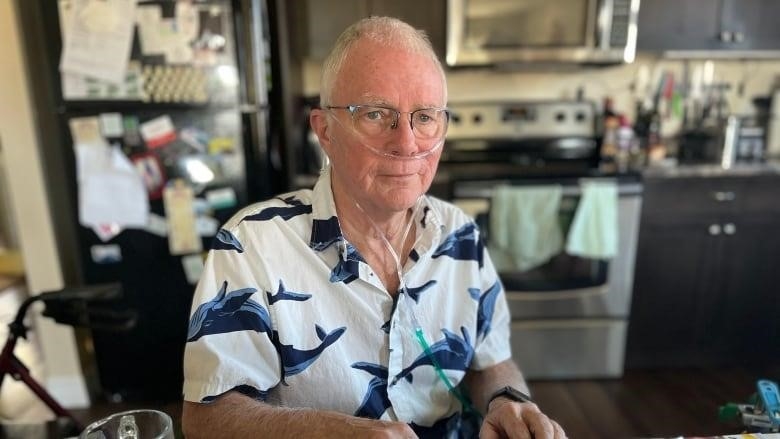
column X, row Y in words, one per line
column 702, row 25
column 428, row 15
column 752, row 288
column 679, row 25
column 674, row 286
column 326, row 21
column 751, row 24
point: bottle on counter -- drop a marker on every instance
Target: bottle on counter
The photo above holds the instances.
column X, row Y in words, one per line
column 609, row 148
column 656, row 150
column 626, row 144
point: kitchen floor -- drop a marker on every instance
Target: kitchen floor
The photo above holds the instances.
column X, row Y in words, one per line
column 662, row 403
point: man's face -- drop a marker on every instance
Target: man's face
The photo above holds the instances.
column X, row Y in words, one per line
column 376, row 75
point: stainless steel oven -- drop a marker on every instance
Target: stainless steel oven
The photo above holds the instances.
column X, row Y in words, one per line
column 569, row 314
column 482, row 32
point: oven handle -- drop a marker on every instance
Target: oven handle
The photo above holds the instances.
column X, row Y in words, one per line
column 574, row 293
column 487, row 188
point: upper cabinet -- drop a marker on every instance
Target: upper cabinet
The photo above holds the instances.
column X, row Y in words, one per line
column 327, row 19
column 745, row 28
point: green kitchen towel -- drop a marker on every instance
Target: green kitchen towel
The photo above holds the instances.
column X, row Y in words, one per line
column 593, row 232
column 524, row 226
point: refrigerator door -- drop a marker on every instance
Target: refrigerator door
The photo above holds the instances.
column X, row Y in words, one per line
column 145, row 362
column 193, row 110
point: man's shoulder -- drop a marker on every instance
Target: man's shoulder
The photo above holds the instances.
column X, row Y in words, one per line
column 450, row 215
column 287, row 205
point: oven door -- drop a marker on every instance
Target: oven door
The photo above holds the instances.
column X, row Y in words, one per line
column 569, row 315
column 566, row 286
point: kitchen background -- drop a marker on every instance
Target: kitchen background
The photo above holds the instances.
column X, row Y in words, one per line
column 699, row 278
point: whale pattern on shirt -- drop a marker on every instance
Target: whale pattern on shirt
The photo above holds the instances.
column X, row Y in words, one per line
column 235, row 311
column 464, row 244
column 224, row 240
column 375, row 402
column 487, row 306
column 452, row 352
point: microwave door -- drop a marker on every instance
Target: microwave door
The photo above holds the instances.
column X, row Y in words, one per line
column 496, row 32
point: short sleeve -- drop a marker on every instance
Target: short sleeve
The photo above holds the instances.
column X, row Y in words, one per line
column 229, row 337
column 492, row 344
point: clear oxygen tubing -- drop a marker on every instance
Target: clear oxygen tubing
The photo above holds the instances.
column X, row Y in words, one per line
column 419, row 335
column 390, row 154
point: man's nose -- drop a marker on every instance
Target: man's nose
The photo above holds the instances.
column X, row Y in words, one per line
column 403, row 141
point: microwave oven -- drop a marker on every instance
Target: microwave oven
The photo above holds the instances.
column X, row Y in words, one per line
column 509, row 32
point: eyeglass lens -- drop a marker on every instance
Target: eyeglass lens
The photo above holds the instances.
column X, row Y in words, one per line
column 376, row 121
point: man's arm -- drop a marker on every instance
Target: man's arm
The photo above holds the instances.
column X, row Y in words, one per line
column 483, row 383
column 505, row 417
column 236, row 415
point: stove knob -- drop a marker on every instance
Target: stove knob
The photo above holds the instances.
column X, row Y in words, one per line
column 455, row 118
column 560, row 116
column 580, row 116
column 477, row 118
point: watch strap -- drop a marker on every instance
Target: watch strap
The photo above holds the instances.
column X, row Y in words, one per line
column 510, row 393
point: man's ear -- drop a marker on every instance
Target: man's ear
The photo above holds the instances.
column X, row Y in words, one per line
column 320, row 125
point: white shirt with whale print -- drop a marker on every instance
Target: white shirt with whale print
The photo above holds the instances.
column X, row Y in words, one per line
column 287, row 312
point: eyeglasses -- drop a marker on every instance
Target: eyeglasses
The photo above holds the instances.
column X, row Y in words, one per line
column 375, row 122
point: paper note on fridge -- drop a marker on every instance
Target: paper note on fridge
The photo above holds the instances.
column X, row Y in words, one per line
column 99, row 39
column 111, row 124
column 110, row 190
column 183, row 235
column 158, row 131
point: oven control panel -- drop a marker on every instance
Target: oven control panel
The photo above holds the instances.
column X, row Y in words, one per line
column 522, row 120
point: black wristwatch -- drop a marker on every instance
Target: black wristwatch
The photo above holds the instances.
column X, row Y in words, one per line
column 511, row 393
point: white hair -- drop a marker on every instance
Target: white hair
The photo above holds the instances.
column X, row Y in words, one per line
column 386, row 31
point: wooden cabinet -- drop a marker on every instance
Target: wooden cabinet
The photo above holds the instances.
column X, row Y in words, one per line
column 707, row 284
column 709, row 25
column 327, row 19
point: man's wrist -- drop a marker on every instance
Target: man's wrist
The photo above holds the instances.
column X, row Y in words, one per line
column 509, row 393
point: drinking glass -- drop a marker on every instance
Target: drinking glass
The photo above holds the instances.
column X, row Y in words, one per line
column 132, row 424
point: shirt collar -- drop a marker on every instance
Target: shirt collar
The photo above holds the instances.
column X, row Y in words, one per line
column 325, row 229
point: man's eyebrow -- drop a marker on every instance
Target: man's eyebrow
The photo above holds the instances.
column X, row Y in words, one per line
column 381, row 102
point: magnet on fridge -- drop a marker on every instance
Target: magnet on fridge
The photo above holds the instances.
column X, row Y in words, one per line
column 85, row 130
column 193, row 267
column 223, row 198
column 132, row 137
column 149, row 167
column 207, row 226
column 111, row 124
column 107, row 232
column 195, row 137
column 106, row 254
column 157, row 225
column 183, row 235
column 202, row 207
column 219, row 145
column 158, row 131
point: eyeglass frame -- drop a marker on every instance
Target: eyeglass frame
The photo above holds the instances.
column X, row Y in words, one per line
column 352, row 108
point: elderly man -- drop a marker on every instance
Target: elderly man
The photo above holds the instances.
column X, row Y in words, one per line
column 361, row 308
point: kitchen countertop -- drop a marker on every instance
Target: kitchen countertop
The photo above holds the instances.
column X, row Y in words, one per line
column 770, row 167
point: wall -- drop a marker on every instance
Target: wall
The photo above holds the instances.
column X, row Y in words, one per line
column 8, row 236
column 28, row 200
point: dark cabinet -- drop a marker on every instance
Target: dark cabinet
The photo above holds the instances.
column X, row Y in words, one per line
column 707, row 287
column 709, row 25
column 327, row 19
